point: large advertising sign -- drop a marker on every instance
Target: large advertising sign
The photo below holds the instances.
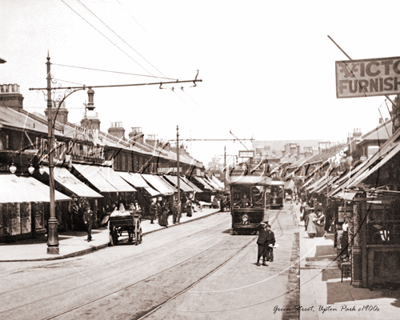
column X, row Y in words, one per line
column 367, row 77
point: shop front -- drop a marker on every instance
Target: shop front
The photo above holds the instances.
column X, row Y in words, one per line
column 81, row 194
column 106, row 182
column 24, row 207
column 382, row 239
column 145, row 193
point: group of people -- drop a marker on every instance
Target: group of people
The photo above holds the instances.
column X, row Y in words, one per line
column 161, row 209
column 315, row 223
column 266, row 243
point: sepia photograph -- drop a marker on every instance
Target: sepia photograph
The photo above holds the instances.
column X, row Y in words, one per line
column 199, row 160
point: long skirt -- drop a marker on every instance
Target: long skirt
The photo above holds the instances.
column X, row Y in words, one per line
column 320, row 231
column 163, row 220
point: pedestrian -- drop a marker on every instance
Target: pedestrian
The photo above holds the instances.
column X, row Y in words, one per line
column 222, row 204
column 160, row 213
column 262, row 238
column 164, row 216
column 269, row 244
column 311, row 226
column 153, row 210
column 214, row 203
column 189, row 207
column 88, row 218
column 174, row 210
column 178, row 211
column 320, row 222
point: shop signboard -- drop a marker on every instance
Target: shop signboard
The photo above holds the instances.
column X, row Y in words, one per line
column 169, row 170
column 246, row 154
column 367, row 77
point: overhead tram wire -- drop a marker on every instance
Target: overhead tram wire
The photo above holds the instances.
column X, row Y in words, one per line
column 121, row 38
column 119, row 72
column 133, row 18
column 105, row 37
column 115, row 44
column 119, row 47
column 134, row 50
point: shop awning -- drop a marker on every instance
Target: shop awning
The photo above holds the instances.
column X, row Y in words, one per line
column 203, row 183
column 212, row 183
column 93, row 175
column 72, row 183
column 191, row 184
column 25, row 189
column 137, row 181
column 316, row 184
column 174, row 180
column 348, row 196
column 385, row 153
column 115, row 180
column 159, row 184
column 217, row 182
column 384, row 160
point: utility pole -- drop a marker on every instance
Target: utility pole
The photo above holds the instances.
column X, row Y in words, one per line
column 52, row 234
column 178, row 170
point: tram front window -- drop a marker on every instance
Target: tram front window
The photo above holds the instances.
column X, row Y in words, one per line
column 248, row 197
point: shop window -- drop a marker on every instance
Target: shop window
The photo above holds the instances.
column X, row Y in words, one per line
column 15, row 218
column 25, row 212
column 383, row 224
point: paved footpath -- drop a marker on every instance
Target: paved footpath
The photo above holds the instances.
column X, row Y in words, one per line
column 74, row 243
column 324, row 296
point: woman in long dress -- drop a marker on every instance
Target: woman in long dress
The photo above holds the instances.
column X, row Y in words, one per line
column 320, row 224
column 189, row 208
column 164, row 215
column 311, row 226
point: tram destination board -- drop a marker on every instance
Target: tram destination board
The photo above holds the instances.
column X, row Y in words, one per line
column 367, row 77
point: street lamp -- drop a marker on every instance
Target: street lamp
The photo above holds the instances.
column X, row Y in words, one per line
column 52, row 235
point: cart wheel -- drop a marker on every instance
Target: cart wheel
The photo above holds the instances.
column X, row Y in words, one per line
column 139, row 237
column 130, row 239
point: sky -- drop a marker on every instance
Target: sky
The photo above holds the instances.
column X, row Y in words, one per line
column 268, row 67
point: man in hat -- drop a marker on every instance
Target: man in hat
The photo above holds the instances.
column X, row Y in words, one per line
column 88, row 218
column 153, row 210
column 262, row 238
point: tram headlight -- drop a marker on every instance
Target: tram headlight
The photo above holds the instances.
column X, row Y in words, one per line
column 245, row 218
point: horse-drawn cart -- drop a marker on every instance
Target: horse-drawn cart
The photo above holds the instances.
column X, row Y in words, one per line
column 130, row 223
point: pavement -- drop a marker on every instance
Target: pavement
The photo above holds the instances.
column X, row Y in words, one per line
column 74, row 243
column 325, row 296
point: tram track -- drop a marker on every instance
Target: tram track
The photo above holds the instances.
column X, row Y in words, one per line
column 207, row 275
column 214, row 248
column 153, row 309
column 126, row 261
column 110, row 264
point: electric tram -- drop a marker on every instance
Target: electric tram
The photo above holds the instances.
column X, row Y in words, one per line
column 250, row 198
